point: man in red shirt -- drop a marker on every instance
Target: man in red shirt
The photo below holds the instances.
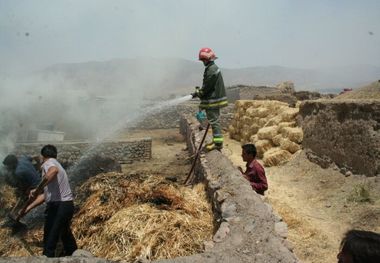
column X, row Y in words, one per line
column 254, row 173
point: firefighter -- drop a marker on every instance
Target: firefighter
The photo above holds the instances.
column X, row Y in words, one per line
column 212, row 95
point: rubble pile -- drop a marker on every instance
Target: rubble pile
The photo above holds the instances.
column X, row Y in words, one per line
column 270, row 125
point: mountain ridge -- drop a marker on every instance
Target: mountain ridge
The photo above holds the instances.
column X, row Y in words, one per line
column 174, row 75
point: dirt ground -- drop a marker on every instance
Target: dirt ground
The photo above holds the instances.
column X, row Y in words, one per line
column 169, row 154
column 318, row 205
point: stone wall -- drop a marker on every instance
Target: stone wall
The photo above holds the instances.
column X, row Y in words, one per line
column 249, row 230
column 344, row 132
column 124, row 151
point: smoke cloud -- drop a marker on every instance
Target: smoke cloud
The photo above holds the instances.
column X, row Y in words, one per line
column 81, row 66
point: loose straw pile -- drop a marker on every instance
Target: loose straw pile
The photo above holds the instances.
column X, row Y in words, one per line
column 11, row 244
column 128, row 217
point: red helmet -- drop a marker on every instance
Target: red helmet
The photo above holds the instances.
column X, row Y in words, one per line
column 206, row 54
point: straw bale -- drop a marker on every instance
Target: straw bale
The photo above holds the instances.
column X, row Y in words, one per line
column 236, row 137
column 256, row 103
column 240, row 124
column 241, row 112
column 231, row 129
column 290, row 146
column 246, row 120
column 274, row 105
column 251, row 111
column 262, row 146
column 260, row 112
column 267, row 132
column 245, row 104
column 283, row 125
column 277, row 140
column 142, row 216
column 245, row 136
column 254, row 128
column 262, row 122
column 246, row 129
column 289, row 114
column 263, row 112
column 239, row 104
column 234, row 123
column 273, row 121
column 276, row 156
column 254, row 138
column 256, row 120
column 294, row 134
column 286, row 124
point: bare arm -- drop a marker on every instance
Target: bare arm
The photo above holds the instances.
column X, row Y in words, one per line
column 38, row 201
column 36, row 197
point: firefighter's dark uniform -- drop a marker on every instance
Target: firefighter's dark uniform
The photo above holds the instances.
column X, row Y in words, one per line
column 213, row 97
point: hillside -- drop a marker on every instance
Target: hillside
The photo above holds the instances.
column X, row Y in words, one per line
column 178, row 76
column 371, row 91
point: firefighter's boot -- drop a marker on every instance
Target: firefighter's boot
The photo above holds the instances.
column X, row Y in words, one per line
column 214, row 146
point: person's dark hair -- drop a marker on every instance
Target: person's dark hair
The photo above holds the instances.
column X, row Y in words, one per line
column 10, row 161
column 49, row 151
column 250, row 149
column 362, row 246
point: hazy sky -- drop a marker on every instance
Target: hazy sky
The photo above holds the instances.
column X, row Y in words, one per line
column 295, row 33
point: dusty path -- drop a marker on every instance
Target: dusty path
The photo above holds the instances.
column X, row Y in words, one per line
column 169, row 154
column 315, row 203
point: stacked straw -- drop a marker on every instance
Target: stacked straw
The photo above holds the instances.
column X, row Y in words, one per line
column 270, row 125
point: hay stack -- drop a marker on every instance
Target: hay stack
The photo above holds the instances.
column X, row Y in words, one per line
column 276, row 156
column 124, row 218
column 267, row 123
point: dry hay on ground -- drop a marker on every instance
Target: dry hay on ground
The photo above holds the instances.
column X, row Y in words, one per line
column 13, row 244
column 128, row 217
column 7, row 198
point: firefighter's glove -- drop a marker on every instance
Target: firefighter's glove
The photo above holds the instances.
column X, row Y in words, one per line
column 201, row 116
column 196, row 93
